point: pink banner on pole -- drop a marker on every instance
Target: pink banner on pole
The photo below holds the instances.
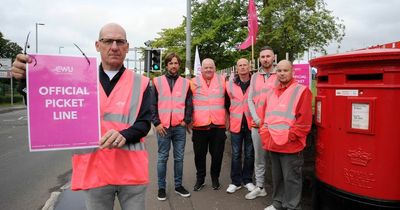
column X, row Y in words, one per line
column 302, row 74
column 252, row 23
column 63, row 110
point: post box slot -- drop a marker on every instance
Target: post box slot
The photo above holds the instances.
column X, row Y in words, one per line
column 323, row 78
column 361, row 77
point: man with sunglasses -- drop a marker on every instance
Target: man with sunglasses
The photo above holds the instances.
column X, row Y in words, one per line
column 120, row 165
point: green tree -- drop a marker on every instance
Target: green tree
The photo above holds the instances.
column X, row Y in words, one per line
column 8, row 49
column 218, row 26
column 296, row 26
column 216, row 30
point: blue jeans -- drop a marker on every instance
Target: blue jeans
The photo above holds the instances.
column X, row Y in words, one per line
column 177, row 136
column 242, row 174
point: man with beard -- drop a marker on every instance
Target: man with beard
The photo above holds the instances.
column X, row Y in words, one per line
column 261, row 82
column 172, row 112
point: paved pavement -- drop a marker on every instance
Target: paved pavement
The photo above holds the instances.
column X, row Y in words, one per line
column 206, row 199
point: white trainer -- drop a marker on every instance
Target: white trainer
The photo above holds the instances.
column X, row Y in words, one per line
column 257, row 192
column 250, row 186
column 232, row 188
column 271, row 207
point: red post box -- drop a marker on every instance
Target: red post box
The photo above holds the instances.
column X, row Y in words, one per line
column 357, row 113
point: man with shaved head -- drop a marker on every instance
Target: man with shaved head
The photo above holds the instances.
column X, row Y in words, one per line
column 287, row 121
column 209, row 117
column 119, row 166
column 239, row 126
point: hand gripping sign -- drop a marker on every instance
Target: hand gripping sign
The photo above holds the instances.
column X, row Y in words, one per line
column 63, row 110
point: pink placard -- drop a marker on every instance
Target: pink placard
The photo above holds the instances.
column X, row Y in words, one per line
column 63, row 110
column 302, row 74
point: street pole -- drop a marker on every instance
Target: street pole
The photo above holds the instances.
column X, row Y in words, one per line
column 188, row 33
column 59, row 49
column 37, row 24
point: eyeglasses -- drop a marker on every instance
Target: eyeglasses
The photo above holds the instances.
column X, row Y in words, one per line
column 109, row 42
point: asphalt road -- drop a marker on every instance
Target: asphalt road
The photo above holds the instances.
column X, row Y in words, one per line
column 27, row 178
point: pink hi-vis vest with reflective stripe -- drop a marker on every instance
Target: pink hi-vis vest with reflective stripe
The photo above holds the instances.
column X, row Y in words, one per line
column 120, row 166
column 280, row 116
column 208, row 101
column 238, row 106
column 259, row 88
column 171, row 106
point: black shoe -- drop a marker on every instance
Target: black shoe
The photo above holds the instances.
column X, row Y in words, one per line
column 182, row 191
column 198, row 186
column 215, row 184
column 162, row 196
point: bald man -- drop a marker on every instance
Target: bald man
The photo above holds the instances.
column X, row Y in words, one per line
column 119, row 166
column 209, row 117
column 240, row 129
column 287, row 121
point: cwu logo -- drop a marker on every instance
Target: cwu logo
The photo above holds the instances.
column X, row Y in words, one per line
column 64, row 69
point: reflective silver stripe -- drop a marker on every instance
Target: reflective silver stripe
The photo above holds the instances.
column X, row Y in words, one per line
column 205, row 98
column 198, row 82
column 131, row 147
column 131, row 117
column 235, row 115
column 206, row 107
column 161, row 97
column 237, row 103
column 221, row 89
column 115, row 117
column 250, row 98
column 231, row 86
column 281, row 114
column 175, row 110
column 184, row 86
column 279, row 126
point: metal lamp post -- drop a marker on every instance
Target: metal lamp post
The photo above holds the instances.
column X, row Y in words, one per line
column 59, row 49
column 37, row 24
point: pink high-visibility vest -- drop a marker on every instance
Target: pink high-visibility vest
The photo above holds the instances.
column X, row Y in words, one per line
column 259, row 87
column 280, row 115
column 128, row 165
column 208, row 101
column 239, row 106
column 171, row 106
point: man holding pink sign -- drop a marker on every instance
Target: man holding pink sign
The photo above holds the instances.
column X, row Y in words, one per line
column 119, row 166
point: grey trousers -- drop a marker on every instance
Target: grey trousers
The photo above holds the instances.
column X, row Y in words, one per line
column 287, row 180
column 131, row 197
column 259, row 158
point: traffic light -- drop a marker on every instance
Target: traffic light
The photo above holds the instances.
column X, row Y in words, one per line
column 155, row 60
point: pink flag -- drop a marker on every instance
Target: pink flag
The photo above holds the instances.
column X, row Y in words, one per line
column 252, row 25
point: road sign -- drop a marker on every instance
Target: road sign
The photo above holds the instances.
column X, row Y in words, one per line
column 5, row 74
column 5, row 64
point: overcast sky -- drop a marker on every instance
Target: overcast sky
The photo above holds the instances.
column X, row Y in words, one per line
column 368, row 22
